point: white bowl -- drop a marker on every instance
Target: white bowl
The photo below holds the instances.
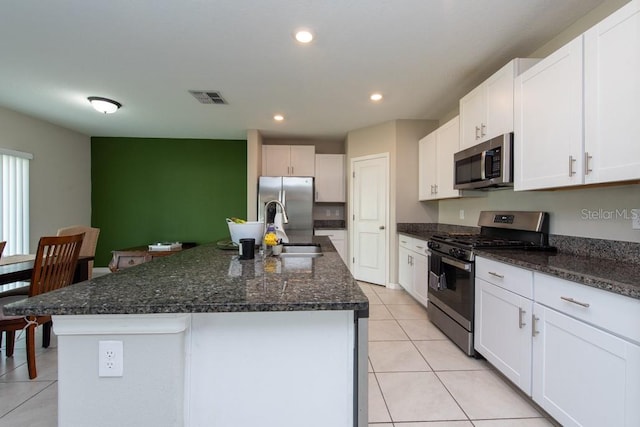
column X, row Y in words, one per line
column 248, row 230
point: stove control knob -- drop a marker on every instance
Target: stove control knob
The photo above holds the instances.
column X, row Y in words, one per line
column 457, row 253
column 433, row 245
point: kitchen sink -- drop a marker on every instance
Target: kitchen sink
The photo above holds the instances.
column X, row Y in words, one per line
column 311, row 250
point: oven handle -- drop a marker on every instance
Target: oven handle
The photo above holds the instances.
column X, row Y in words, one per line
column 458, row 264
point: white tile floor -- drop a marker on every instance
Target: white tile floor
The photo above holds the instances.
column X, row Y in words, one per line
column 417, row 377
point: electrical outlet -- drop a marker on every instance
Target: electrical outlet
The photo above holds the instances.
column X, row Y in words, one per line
column 110, row 359
column 337, row 213
column 635, row 219
column 461, row 213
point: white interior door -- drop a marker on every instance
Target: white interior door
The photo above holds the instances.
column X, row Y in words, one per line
column 369, row 218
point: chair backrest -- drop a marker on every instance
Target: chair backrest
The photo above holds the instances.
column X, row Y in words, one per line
column 55, row 263
column 90, row 237
column 2, row 245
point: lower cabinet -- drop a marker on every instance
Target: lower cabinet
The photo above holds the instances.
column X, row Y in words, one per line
column 574, row 349
column 413, row 267
column 502, row 332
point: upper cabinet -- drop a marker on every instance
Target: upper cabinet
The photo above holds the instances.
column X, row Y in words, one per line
column 612, row 97
column 288, row 160
column 330, row 178
column 435, row 162
column 487, row 111
column 576, row 111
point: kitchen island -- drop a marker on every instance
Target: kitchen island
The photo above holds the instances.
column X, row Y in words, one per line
column 208, row 339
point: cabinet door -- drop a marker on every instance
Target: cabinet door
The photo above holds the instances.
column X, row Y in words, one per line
column 499, row 102
column 503, row 331
column 472, row 117
column 405, row 268
column 548, row 143
column 276, row 160
column 427, row 167
column 421, row 276
column 448, row 137
column 612, row 97
column 330, row 180
column 303, row 160
column 583, row 376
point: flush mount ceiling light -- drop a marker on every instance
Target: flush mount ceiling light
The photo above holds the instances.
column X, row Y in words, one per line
column 375, row 97
column 278, row 117
column 104, row 105
column 304, row 36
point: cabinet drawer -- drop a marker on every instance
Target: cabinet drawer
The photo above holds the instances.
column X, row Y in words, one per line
column 612, row 312
column 514, row 279
column 413, row 244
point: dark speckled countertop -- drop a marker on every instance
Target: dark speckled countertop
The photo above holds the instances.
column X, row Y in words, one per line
column 206, row 279
column 610, row 275
column 621, row 277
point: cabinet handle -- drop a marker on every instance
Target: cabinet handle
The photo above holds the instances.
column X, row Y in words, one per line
column 500, row 276
column 587, row 157
column 483, row 129
column 403, row 241
column 521, row 314
column 292, row 173
column 436, row 188
column 477, row 132
column 571, row 171
column 571, row 300
column 420, row 247
column 534, row 325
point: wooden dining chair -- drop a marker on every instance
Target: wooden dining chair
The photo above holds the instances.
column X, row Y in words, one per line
column 53, row 268
column 89, row 242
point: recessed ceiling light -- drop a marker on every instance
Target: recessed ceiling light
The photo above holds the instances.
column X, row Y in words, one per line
column 278, row 117
column 304, row 36
column 376, row 97
column 104, row 105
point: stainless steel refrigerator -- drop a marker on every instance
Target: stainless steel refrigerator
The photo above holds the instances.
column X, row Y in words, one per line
column 296, row 194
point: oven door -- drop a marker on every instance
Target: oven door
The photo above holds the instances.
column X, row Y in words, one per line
column 451, row 288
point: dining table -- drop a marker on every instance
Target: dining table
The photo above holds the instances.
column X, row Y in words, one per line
column 16, row 270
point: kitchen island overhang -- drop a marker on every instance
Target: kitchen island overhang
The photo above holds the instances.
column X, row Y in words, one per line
column 212, row 340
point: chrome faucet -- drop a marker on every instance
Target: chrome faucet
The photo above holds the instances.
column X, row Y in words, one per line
column 277, row 222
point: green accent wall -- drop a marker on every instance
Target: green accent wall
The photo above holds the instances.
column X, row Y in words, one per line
column 147, row 190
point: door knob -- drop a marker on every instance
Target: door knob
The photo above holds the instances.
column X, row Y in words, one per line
column 381, row 227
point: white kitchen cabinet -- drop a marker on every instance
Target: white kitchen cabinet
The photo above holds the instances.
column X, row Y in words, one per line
column 577, row 110
column 612, row 97
column 330, row 179
column 503, row 309
column 487, row 111
column 435, row 162
column 288, row 160
column 548, row 121
column 413, row 267
column 582, row 375
column 339, row 239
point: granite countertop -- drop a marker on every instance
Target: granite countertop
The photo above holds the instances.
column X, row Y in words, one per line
column 602, row 273
column 206, row 279
column 620, row 277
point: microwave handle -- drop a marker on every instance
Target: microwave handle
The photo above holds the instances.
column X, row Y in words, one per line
column 483, row 165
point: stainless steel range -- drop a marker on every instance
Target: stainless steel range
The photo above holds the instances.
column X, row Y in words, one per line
column 452, row 274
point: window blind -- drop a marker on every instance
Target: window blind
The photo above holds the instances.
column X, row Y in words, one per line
column 14, row 200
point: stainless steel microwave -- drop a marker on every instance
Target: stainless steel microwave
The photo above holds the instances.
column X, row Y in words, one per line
column 485, row 165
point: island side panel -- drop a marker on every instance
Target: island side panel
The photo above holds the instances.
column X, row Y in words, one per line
column 272, row 369
column 151, row 390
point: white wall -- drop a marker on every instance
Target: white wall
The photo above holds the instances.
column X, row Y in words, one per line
column 60, row 172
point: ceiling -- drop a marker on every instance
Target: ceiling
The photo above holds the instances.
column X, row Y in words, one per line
column 422, row 55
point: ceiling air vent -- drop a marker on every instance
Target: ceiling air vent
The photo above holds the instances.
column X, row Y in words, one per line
column 208, row 96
